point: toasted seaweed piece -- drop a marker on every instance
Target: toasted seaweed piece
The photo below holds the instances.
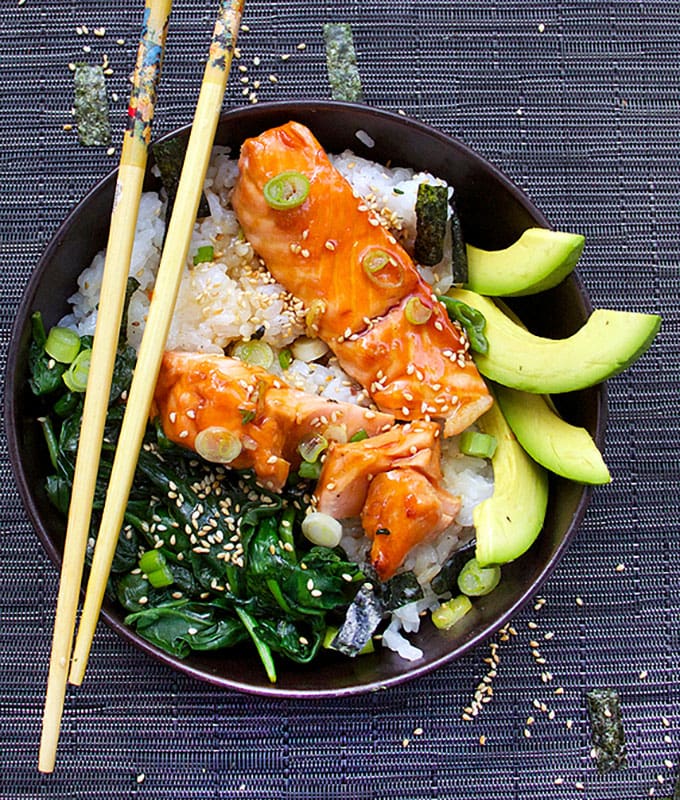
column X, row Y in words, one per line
column 169, row 157
column 341, row 60
column 432, row 210
column 609, row 746
column 401, row 589
column 91, row 105
column 361, row 621
column 445, row 580
column 459, row 262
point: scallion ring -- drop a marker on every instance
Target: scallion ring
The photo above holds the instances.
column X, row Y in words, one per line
column 218, row 445
column 287, row 190
column 312, row 446
column 75, row 376
column 255, row 352
column 62, row 344
column 416, row 312
column 382, row 269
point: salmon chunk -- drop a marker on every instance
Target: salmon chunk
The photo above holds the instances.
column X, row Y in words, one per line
column 403, row 508
column 264, row 419
column 392, row 481
column 364, row 295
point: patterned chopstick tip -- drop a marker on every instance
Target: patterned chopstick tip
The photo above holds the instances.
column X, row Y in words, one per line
column 224, row 36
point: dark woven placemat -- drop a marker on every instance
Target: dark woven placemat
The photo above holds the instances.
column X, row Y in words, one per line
column 578, row 102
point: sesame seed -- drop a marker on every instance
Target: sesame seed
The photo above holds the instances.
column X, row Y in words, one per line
column 316, row 592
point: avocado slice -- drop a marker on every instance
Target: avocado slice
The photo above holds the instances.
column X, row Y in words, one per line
column 564, row 449
column 609, row 342
column 538, row 260
column 508, row 522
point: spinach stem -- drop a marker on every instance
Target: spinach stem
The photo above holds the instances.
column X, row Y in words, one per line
column 50, row 439
column 263, row 649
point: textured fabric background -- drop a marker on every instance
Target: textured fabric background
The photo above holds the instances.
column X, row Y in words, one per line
column 578, row 102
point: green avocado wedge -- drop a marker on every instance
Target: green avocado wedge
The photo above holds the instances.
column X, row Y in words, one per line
column 538, row 260
column 564, row 449
column 508, row 522
column 609, row 342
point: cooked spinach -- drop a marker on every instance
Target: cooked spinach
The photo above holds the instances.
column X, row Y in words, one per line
column 238, row 564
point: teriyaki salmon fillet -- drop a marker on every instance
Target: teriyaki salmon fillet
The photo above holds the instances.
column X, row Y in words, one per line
column 365, row 297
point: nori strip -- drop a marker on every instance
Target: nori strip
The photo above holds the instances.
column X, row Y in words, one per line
column 609, row 746
column 341, row 60
column 445, row 580
column 401, row 589
column 169, row 157
column 91, row 105
column 361, row 621
column 432, row 211
column 459, row 262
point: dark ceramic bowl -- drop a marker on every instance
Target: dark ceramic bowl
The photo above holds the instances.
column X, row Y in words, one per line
column 494, row 212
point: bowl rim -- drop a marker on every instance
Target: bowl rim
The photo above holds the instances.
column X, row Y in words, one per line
column 412, row 670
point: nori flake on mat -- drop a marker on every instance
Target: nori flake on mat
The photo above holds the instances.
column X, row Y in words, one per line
column 609, row 746
column 432, row 210
column 169, row 157
column 341, row 59
column 91, row 106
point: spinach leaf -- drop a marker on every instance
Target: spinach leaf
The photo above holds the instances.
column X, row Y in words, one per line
column 182, row 626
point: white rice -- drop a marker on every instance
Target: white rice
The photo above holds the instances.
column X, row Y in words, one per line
column 234, row 297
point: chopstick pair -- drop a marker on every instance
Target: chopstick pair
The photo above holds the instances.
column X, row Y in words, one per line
column 119, row 251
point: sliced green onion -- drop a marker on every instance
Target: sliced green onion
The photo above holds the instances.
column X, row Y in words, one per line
column 382, row 269
column 288, row 190
column 203, row 254
column 322, row 529
column 255, row 352
column 311, row 447
column 217, row 444
column 470, row 319
column 151, row 561
column 476, row 581
column 359, row 436
column 480, row 445
column 451, row 611
column 308, row 349
column 309, row 471
column 247, row 415
column 285, row 359
column 75, row 376
column 416, row 312
column 161, row 577
column 62, row 344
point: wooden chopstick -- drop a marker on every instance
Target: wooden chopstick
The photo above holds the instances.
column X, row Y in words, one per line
column 169, row 275
column 117, row 264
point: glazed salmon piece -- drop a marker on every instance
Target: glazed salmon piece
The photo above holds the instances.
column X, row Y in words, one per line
column 417, row 370
column 320, row 251
column 403, row 508
column 349, row 468
column 196, row 392
column 316, row 250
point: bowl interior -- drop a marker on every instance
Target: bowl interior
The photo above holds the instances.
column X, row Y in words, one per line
column 493, row 212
